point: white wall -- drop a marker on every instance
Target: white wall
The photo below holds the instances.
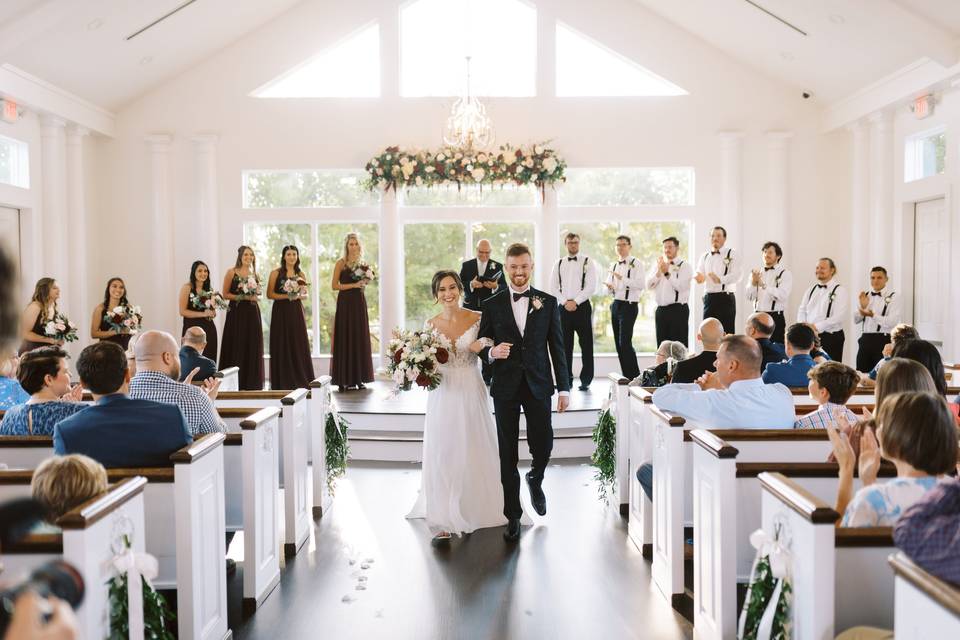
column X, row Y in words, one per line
column 28, row 201
column 213, row 97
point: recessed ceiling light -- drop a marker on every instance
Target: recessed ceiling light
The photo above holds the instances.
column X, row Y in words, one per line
column 786, row 55
column 836, row 18
column 93, row 25
column 146, row 59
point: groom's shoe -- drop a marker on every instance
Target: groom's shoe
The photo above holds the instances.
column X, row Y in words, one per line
column 536, row 494
column 512, row 534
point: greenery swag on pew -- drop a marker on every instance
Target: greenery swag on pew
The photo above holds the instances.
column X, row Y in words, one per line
column 604, row 457
column 394, row 167
column 338, row 449
column 156, row 612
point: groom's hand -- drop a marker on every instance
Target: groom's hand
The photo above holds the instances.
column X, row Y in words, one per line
column 563, row 401
column 501, row 351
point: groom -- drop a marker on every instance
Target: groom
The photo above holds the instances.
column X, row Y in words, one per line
column 523, row 324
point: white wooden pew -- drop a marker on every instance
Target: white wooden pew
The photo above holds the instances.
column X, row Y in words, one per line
column 320, row 400
column 87, row 542
column 640, row 447
column 229, row 379
column 925, row 606
column 295, row 427
column 620, row 409
column 840, row 576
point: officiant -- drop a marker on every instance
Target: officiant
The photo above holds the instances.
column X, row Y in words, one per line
column 482, row 278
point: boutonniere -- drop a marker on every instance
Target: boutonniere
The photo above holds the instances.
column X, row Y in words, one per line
column 536, row 302
column 726, row 262
column 833, row 297
column 888, row 299
column 674, row 268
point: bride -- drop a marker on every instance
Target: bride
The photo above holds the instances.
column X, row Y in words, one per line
column 460, row 490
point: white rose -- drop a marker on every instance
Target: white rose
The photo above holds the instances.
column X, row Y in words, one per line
column 441, row 157
column 482, row 157
column 428, row 169
column 528, row 163
column 388, row 156
column 537, row 149
column 50, row 328
column 508, row 158
column 407, row 170
column 550, row 164
column 374, row 162
column 478, row 174
column 519, row 170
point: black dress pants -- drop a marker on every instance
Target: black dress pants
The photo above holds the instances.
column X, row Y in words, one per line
column 723, row 307
column 579, row 323
column 870, row 350
column 780, row 327
column 832, row 343
column 673, row 322
column 624, row 317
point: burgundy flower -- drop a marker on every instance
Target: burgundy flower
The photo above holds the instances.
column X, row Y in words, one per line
column 423, row 380
column 398, row 356
column 442, row 355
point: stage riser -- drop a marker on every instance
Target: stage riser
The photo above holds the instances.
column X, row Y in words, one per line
column 407, row 451
column 370, row 423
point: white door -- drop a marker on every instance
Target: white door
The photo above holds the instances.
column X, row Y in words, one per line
column 931, row 263
column 10, row 233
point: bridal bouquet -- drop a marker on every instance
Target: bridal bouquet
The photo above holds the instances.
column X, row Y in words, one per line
column 295, row 287
column 248, row 287
column 60, row 328
column 414, row 358
column 124, row 318
column 207, row 301
column 361, row 272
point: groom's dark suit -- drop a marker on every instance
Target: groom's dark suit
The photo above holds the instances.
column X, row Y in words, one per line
column 524, row 380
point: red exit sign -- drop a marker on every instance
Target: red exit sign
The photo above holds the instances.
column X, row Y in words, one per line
column 9, row 112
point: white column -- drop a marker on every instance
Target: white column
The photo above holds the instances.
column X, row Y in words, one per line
column 731, row 203
column 206, row 219
column 881, row 191
column 547, row 242
column 778, row 188
column 53, row 228
column 391, row 268
column 77, row 227
column 162, row 310
column 860, row 227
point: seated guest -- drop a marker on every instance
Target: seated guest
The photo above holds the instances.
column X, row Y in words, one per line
column 116, row 430
column 191, row 356
column 11, row 393
column 709, row 335
column 63, row 483
column 831, row 385
column 917, row 432
column 900, row 333
column 44, row 375
column 793, row 372
column 817, row 353
column 929, row 531
column 760, row 327
column 733, row 397
column 668, row 356
column 158, row 368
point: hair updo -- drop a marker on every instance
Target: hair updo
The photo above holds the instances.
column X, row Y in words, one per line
column 438, row 278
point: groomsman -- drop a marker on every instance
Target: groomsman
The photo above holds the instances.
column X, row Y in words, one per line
column 720, row 268
column 825, row 307
column 770, row 288
column 625, row 282
column 573, row 280
column 670, row 281
column 878, row 314
column 482, row 278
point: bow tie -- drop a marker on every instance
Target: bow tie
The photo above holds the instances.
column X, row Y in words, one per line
column 622, row 262
column 573, row 258
column 517, row 296
column 876, row 293
column 714, row 253
column 769, row 268
column 821, row 286
column 671, row 262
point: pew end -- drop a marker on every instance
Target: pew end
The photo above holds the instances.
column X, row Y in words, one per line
column 620, row 408
column 320, row 401
column 925, row 606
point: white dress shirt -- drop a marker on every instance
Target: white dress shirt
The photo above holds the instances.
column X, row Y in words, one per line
column 745, row 404
column 886, row 312
column 816, row 303
column 774, row 290
column 574, row 279
column 726, row 264
column 673, row 286
column 481, row 269
column 630, row 285
column 520, row 307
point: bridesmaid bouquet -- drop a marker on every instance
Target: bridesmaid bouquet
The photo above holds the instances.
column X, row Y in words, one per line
column 208, row 300
column 361, row 272
column 248, row 287
column 415, row 357
column 124, row 318
column 60, row 328
column 295, row 288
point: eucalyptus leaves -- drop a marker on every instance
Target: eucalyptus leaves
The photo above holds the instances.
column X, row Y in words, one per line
column 604, row 457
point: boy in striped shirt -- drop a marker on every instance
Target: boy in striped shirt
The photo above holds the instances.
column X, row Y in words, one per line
column 831, row 385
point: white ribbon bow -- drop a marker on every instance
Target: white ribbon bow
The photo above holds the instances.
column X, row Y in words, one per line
column 766, row 545
column 135, row 565
column 779, row 558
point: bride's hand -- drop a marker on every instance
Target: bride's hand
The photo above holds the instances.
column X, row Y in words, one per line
column 477, row 346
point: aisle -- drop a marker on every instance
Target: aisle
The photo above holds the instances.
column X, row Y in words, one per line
column 577, row 576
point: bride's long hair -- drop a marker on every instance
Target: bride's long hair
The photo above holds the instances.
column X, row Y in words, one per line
column 438, row 278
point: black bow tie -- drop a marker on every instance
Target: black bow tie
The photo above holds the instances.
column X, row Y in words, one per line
column 573, row 258
column 769, row 268
column 876, row 293
column 671, row 262
column 517, row 296
column 622, row 262
column 821, row 286
column 714, row 253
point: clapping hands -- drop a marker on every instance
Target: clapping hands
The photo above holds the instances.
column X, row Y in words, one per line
column 709, row 380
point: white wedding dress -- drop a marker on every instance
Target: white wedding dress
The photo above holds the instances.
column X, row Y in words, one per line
column 460, row 484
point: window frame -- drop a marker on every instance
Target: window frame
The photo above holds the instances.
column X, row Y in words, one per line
column 19, row 162
column 913, row 153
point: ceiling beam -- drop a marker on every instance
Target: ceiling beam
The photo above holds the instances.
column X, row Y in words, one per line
column 39, row 95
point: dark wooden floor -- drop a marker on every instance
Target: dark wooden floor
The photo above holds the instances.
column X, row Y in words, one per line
column 376, row 398
column 368, row 573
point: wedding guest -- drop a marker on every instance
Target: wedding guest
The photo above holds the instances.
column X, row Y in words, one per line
column 45, row 376
column 157, row 379
column 242, row 331
column 669, row 279
column 11, row 393
column 572, row 281
column 770, row 288
column 878, row 314
column 118, row 431
column 625, row 282
column 669, row 354
column 720, row 270
column 915, row 431
column 63, row 483
column 710, row 335
column 41, row 310
column 351, row 361
column 760, row 327
column 291, row 362
column 194, row 310
column 191, row 357
column 793, row 372
column 929, row 531
column 115, row 295
column 825, row 306
column 482, row 276
column 831, row 385
column 927, row 354
column 817, row 353
column 899, row 333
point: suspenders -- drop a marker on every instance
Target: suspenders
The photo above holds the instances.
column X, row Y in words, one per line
column 829, row 306
column 886, row 303
column 726, row 269
column 676, row 297
column 776, row 283
column 583, row 273
column 630, row 265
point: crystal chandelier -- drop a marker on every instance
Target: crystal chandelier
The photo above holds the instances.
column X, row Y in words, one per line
column 468, row 127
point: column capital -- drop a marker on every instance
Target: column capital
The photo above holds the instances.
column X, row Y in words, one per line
column 778, row 135
column 857, row 127
column 76, row 134
column 158, row 142
column 730, row 137
column 880, row 120
column 51, row 126
column 205, row 139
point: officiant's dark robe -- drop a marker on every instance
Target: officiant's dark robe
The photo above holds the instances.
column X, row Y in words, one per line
column 468, row 271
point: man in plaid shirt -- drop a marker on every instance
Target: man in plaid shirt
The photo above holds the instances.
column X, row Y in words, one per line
column 929, row 531
column 158, row 369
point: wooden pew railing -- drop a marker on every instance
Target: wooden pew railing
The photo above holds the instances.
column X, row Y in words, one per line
column 925, row 606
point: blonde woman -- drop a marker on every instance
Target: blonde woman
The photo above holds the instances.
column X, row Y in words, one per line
column 351, row 362
column 41, row 310
column 63, row 483
column 242, row 331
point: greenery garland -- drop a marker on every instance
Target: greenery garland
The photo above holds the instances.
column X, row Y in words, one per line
column 156, row 612
column 604, row 457
column 393, row 167
column 338, row 449
column 758, row 599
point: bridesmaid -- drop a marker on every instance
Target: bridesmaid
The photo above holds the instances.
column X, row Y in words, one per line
column 113, row 296
column 242, row 332
column 352, row 362
column 41, row 310
column 291, row 365
column 194, row 316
